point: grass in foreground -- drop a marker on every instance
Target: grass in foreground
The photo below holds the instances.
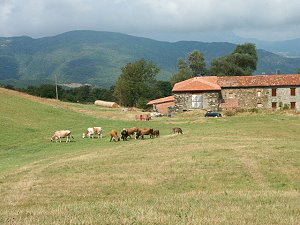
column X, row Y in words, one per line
column 234, row 170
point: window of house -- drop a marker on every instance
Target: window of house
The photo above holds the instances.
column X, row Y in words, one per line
column 274, row 105
column 293, row 105
column 259, row 94
column 274, row 90
column 293, row 91
column 197, row 101
column 230, row 94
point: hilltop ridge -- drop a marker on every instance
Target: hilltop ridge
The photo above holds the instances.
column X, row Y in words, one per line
column 96, row 57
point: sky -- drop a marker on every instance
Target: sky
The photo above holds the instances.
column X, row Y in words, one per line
column 168, row 20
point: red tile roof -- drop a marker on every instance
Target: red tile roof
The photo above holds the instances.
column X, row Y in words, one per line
column 197, row 84
column 161, row 100
column 259, row 80
column 212, row 83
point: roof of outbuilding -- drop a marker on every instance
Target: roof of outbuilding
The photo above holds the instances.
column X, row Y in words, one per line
column 162, row 100
column 212, row 83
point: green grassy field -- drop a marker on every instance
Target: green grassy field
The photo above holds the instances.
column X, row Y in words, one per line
column 243, row 169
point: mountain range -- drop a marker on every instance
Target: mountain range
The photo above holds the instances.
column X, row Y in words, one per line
column 96, row 57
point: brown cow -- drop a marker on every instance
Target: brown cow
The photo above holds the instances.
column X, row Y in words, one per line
column 144, row 131
column 114, row 135
column 146, row 117
column 177, row 130
column 131, row 131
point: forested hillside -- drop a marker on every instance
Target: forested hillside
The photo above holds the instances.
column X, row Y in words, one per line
column 96, row 57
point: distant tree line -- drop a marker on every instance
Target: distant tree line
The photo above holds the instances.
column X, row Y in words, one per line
column 84, row 94
column 134, row 93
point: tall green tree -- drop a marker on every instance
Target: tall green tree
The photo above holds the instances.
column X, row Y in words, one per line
column 197, row 63
column 194, row 66
column 163, row 89
column 181, row 64
column 298, row 71
column 136, row 83
column 241, row 62
column 184, row 72
column 225, row 67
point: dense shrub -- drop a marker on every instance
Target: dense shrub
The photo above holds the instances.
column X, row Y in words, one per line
column 253, row 110
column 230, row 112
column 286, row 106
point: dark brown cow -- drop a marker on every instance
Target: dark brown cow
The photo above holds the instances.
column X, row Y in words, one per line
column 156, row 133
column 114, row 135
column 124, row 134
column 144, row 131
column 177, row 130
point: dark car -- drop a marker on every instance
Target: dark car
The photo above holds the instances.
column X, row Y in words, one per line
column 213, row 114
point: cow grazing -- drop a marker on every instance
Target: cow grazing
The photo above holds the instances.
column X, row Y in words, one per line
column 62, row 134
column 124, row 134
column 156, row 133
column 145, row 117
column 177, row 130
column 144, row 131
column 131, row 131
column 91, row 131
column 114, row 136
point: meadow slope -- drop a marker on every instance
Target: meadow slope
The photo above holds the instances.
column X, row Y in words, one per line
column 232, row 170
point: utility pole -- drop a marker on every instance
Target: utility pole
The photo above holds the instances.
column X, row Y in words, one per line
column 56, row 87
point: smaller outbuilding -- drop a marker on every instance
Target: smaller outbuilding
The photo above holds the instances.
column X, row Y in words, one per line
column 106, row 104
column 162, row 105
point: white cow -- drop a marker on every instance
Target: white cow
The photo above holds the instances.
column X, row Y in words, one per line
column 91, row 131
column 62, row 134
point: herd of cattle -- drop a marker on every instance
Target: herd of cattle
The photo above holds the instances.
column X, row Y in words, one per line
column 125, row 133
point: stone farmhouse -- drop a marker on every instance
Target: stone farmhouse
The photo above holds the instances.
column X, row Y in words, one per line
column 246, row 92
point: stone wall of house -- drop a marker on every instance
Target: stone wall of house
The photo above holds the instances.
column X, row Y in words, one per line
column 246, row 98
column 261, row 97
column 211, row 101
column 283, row 97
column 183, row 101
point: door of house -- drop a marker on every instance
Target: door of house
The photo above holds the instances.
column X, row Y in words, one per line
column 197, row 101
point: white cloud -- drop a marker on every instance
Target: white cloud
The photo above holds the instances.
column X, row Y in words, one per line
column 255, row 18
column 6, row 7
